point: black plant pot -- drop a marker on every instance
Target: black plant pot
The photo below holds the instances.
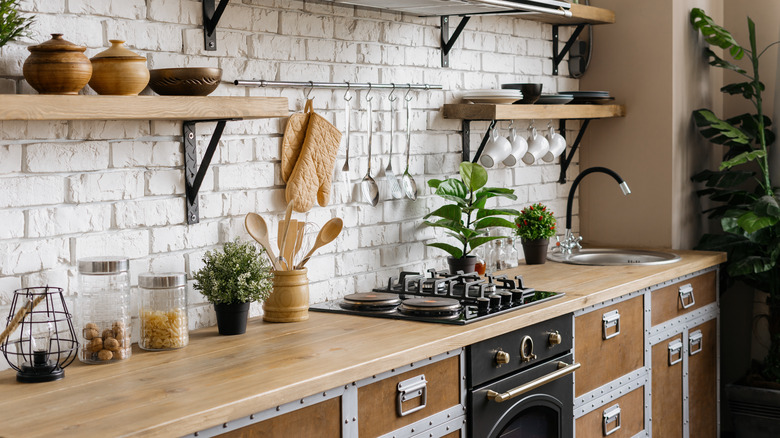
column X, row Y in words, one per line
column 535, row 251
column 231, row 318
column 755, row 411
column 466, row 264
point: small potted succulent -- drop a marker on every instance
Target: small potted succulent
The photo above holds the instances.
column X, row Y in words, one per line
column 231, row 279
column 467, row 219
column 535, row 225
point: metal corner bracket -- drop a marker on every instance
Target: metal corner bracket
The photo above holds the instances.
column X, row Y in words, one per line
column 447, row 40
column 211, row 16
column 193, row 172
column 558, row 56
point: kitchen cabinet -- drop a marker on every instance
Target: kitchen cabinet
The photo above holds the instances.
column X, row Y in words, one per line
column 620, row 418
column 321, row 419
column 667, row 402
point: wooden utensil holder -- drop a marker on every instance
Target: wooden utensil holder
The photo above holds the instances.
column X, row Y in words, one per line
column 289, row 301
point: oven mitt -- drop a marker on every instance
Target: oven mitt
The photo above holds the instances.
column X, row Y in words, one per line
column 311, row 177
column 292, row 142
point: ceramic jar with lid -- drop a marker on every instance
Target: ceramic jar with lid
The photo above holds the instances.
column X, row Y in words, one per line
column 57, row 66
column 163, row 311
column 118, row 71
column 104, row 310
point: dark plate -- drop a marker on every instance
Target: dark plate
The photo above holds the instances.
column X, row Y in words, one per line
column 592, row 100
column 587, row 93
column 554, row 99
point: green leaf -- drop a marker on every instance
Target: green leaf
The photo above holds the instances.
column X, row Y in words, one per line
column 455, row 226
column 751, row 222
column 453, row 251
column 457, row 236
column 494, row 222
column 742, row 159
column 479, row 241
column 13, row 25
column 729, row 222
column 715, row 34
column 744, row 88
column 706, row 118
column 434, row 183
column 453, row 189
column 473, row 175
column 768, row 206
column 496, row 212
column 722, row 179
column 717, row 61
column 451, row 212
column 750, row 265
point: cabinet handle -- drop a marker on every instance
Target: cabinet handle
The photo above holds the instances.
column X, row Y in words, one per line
column 686, row 294
column 611, row 415
column 675, row 349
column 695, row 338
column 563, row 369
column 609, row 320
column 411, row 389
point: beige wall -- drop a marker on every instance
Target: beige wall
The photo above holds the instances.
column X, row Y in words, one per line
column 645, row 61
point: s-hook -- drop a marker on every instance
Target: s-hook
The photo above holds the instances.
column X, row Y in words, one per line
column 311, row 88
column 346, row 93
column 369, row 97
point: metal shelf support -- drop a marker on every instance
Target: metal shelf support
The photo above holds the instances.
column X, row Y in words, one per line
column 194, row 173
column 558, row 56
column 211, row 16
column 447, row 40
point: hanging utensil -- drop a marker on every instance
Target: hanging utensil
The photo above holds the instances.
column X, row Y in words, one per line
column 392, row 179
column 327, row 234
column 368, row 186
column 287, row 264
column 309, row 233
column 345, row 168
column 258, row 229
column 410, row 186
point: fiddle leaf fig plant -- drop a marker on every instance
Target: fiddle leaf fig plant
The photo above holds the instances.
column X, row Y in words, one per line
column 13, row 25
column 744, row 201
column 467, row 218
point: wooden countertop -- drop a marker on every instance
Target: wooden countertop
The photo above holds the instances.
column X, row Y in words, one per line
column 220, row 378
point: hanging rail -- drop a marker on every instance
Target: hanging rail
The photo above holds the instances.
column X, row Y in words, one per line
column 349, row 85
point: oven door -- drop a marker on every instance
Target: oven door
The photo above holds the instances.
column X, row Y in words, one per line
column 542, row 412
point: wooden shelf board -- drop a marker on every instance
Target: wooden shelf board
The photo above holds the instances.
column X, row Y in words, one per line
column 468, row 111
column 580, row 14
column 80, row 107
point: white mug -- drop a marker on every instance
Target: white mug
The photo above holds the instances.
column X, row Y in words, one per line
column 519, row 148
column 537, row 147
column 496, row 149
column 557, row 145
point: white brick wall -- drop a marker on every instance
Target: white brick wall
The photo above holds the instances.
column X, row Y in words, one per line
column 72, row 189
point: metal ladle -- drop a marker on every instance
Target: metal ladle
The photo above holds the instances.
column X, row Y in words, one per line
column 410, row 186
column 369, row 186
column 392, row 179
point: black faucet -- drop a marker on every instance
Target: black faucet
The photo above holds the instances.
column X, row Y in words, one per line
column 569, row 241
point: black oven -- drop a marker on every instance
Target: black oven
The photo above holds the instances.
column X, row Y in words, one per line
column 520, row 384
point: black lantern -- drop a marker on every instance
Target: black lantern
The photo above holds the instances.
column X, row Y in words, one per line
column 41, row 340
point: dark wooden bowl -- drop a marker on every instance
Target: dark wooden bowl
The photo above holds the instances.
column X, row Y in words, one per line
column 187, row 81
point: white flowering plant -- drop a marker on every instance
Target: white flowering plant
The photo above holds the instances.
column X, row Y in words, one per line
column 239, row 273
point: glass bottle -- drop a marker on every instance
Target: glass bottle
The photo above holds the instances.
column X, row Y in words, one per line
column 479, row 252
column 163, row 311
column 512, row 255
column 104, row 310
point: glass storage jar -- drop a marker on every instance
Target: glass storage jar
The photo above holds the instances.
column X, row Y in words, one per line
column 163, row 311
column 104, row 310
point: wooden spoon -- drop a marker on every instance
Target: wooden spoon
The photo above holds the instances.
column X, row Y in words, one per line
column 258, row 229
column 287, row 214
column 327, row 234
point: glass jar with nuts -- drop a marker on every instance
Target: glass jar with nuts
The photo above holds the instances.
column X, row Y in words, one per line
column 104, row 310
column 163, row 311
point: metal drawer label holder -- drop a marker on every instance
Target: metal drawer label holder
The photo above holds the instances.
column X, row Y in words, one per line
column 611, row 415
column 686, row 294
column 411, row 389
column 609, row 320
column 675, row 349
column 695, row 338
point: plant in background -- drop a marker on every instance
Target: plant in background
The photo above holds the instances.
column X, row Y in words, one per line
column 745, row 201
column 239, row 273
column 467, row 218
column 12, row 25
column 535, row 222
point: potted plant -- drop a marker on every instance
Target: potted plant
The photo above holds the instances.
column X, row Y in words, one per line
column 231, row 279
column 467, row 218
column 12, row 25
column 746, row 204
column 535, row 225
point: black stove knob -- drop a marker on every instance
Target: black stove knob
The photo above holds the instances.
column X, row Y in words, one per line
column 517, row 297
column 483, row 305
column 506, row 298
column 495, row 302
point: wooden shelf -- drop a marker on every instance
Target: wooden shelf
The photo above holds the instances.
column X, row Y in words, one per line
column 581, row 14
column 80, row 107
column 469, row 111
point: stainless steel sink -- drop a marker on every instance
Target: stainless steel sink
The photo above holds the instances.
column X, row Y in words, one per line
column 614, row 257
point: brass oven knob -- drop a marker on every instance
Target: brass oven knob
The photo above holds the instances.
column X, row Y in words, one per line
column 554, row 338
column 502, row 357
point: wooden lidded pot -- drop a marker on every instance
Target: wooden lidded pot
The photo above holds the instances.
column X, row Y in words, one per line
column 57, row 66
column 118, row 71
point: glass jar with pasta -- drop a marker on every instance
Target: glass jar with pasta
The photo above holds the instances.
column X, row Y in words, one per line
column 163, row 311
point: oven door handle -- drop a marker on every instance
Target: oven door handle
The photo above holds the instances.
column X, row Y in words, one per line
column 563, row 370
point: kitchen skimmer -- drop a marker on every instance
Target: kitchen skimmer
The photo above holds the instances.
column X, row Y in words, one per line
column 392, row 179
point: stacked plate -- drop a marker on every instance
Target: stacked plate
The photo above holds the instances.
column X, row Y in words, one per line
column 554, row 99
column 493, row 96
column 581, row 97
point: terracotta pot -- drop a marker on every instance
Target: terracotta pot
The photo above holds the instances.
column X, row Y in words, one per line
column 535, row 251
column 57, row 66
column 289, row 301
column 465, row 264
column 118, row 71
column 231, row 318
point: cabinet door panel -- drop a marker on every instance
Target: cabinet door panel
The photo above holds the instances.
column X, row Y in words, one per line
column 703, row 382
column 604, row 360
column 666, row 302
column 667, row 390
column 322, row 419
column 632, row 418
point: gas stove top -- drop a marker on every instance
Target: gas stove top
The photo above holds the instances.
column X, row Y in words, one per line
column 438, row 296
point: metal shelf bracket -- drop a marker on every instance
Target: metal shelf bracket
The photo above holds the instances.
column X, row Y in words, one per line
column 211, row 16
column 558, row 56
column 566, row 158
column 194, row 173
column 447, row 40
